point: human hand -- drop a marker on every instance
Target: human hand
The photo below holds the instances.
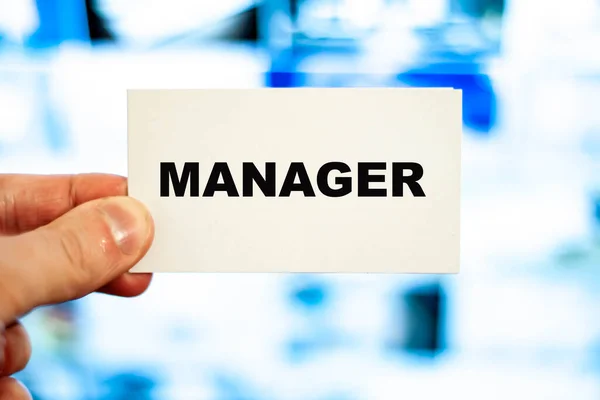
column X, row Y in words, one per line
column 61, row 238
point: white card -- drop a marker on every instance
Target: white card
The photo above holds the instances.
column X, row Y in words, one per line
column 298, row 180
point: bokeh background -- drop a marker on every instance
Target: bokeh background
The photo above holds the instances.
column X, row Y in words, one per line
column 521, row 321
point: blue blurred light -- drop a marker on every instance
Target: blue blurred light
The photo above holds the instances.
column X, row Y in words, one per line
column 59, row 21
column 318, row 328
column 311, row 296
column 479, row 98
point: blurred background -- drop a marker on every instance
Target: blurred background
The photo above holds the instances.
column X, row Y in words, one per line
column 521, row 321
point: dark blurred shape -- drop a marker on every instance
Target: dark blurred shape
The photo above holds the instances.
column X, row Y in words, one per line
column 129, row 386
column 419, row 328
column 245, row 26
column 97, row 25
column 294, row 8
column 479, row 98
column 241, row 27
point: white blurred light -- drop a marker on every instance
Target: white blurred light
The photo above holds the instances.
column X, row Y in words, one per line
column 542, row 28
column 146, row 21
column 428, row 12
column 18, row 19
column 15, row 115
column 364, row 14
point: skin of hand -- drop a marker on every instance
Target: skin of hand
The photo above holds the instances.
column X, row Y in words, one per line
column 61, row 238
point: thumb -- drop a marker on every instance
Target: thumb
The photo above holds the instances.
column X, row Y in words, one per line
column 74, row 255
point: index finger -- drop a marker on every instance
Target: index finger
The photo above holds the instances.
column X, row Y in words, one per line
column 30, row 201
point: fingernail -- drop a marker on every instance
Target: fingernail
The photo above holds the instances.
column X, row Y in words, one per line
column 129, row 223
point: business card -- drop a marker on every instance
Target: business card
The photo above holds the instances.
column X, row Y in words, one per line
column 298, row 180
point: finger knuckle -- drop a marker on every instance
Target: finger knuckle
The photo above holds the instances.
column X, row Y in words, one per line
column 8, row 211
column 73, row 249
